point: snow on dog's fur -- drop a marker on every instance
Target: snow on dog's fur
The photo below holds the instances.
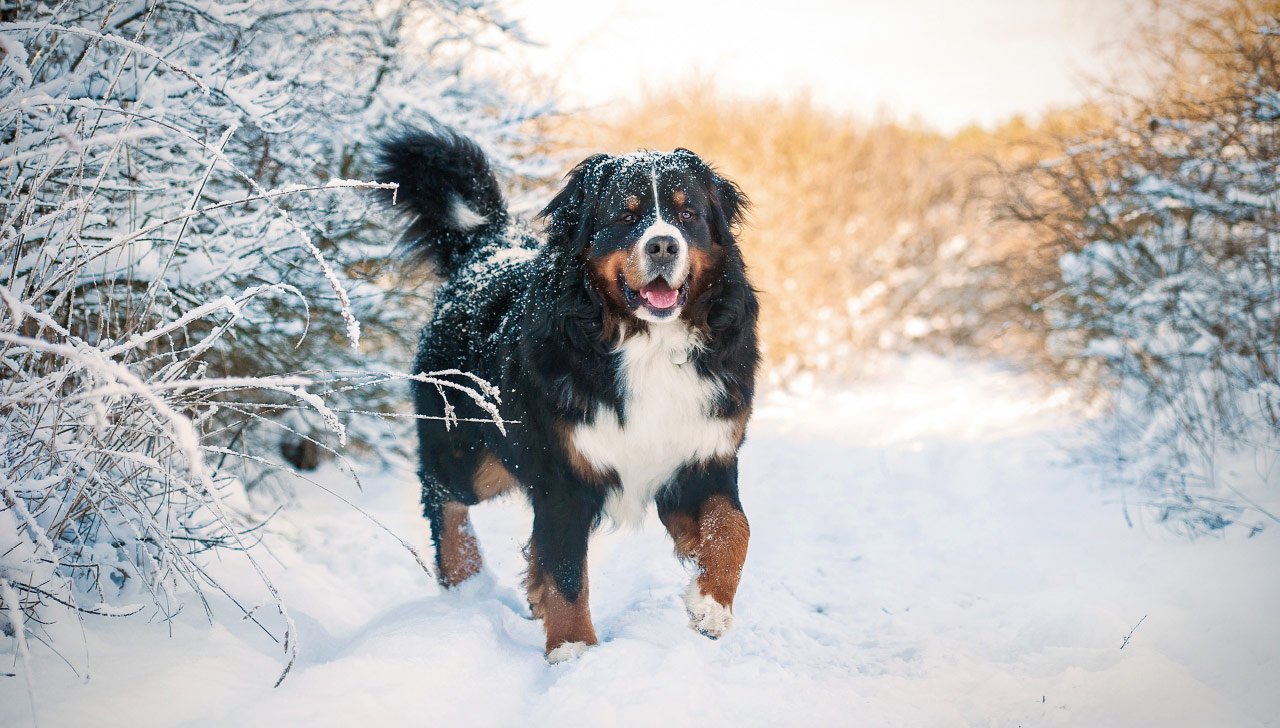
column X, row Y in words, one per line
column 625, row 348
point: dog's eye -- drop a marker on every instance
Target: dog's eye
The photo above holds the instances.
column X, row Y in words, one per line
column 686, row 214
column 627, row 217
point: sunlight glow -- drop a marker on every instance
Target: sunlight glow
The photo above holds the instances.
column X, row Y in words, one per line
column 948, row 64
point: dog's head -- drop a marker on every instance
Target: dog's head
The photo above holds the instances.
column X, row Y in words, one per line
column 653, row 229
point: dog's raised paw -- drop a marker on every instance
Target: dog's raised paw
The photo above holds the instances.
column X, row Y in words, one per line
column 566, row 652
column 706, row 615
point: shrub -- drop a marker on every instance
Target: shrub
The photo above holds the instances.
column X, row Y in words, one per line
column 1166, row 221
column 186, row 273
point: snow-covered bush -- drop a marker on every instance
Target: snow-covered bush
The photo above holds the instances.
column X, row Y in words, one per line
column 1170, row 225
column 188, row 273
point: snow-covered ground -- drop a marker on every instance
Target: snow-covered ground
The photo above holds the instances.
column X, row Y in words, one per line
column 921, row 555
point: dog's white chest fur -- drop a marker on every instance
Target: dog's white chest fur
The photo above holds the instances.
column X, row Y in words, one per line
column 667, row 422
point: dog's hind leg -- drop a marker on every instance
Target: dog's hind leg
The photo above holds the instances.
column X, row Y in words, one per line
column 457, row 551
column 447, row 510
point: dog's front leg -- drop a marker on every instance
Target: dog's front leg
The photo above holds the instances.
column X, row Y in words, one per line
column 557, row 576
column 705, row 519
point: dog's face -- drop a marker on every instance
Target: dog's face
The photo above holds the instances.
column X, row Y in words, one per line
column 651, row 228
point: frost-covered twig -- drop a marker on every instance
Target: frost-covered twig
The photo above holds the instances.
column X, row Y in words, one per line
column 129, row 45
column 1125, row 642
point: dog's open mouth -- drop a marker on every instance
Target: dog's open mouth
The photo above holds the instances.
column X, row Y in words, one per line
column 657, row 296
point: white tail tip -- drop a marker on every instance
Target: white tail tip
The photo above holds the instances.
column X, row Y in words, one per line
column 464, row 218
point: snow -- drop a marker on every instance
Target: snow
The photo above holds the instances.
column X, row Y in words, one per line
column 128, row 45
column 922, row 554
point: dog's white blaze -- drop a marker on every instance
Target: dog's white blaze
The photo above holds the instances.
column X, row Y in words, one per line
column 667, row 424
column 464, row 218
column 662, row 227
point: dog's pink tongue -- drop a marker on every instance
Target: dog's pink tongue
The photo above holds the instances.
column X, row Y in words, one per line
column 659, row 295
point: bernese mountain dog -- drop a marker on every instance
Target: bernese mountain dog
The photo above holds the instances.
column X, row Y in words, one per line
column 624, row 346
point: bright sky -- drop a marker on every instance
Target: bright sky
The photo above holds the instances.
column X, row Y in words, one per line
column 947, row 62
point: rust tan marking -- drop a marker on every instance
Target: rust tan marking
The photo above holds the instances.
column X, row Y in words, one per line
column 582, row 466
column 607, row 267
column 704, row 268
column 701, row 261
column 739, row 422
column 562, row 620
column 633, row 203
column 722, row 548
column 740, row 426
column 491, row 478
column 459, row 551
column 604, row 272
column 684, row 532
column 679, row 198
column 716, row 542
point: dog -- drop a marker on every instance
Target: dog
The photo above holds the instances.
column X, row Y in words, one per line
column 624, row 346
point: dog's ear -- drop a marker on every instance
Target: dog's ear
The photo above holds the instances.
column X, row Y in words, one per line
column 730, row 204
column 568, row 214
column 728, row 201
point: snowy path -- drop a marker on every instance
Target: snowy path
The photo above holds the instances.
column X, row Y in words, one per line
column 920, row 556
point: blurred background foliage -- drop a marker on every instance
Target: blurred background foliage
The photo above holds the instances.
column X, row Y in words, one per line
column 1128, row 246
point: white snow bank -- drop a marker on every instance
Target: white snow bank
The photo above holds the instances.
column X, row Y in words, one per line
column 921, row 556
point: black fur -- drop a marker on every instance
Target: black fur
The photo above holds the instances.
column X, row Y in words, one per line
column 436, row 169
column 526, row 316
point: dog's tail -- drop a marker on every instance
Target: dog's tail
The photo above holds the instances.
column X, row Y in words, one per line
column 448, row 188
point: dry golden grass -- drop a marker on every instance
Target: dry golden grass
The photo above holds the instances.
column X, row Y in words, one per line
column 862, row 236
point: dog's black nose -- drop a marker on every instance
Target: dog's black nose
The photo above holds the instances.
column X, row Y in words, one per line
column 662, row 249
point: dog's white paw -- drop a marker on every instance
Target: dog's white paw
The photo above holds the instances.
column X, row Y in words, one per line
column 706, row 615
column 567, row 651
